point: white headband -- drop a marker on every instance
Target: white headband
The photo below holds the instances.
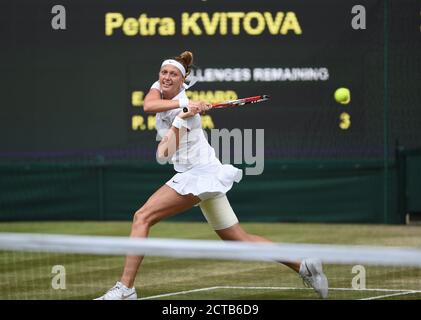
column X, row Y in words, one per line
column 176, row 64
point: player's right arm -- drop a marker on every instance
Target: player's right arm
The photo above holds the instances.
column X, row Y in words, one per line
column 153, row 102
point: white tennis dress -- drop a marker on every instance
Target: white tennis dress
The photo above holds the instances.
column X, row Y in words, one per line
column 199, row 171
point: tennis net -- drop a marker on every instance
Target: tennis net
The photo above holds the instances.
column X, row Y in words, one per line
column 46, row 266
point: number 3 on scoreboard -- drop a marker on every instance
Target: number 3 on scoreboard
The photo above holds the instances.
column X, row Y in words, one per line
column 345, row 121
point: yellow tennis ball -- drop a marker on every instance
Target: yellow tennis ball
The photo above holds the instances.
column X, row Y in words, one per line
column 342, row 95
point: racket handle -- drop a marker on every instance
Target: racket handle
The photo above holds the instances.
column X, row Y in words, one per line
column 185, row 109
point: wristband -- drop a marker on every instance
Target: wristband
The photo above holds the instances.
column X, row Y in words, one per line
column 178, row 123
column 183, row 102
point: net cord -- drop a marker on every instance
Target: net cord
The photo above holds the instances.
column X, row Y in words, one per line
column 210, row 249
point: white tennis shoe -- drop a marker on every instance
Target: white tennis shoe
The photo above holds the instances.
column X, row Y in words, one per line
column 311, row 271
column 119, row 292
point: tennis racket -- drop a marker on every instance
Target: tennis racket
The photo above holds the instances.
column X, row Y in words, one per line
column 238, row 102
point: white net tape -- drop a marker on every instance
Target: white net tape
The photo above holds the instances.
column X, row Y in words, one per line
column 211, row 249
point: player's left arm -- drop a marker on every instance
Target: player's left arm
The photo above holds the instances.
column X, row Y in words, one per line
column 170, row 142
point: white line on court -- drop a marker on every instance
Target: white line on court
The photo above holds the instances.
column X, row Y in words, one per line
column 390, row 295
column 397, row 291
column 177, row 293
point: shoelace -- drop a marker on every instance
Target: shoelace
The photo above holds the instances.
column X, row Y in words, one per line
column 116, row 287
column 306, row 282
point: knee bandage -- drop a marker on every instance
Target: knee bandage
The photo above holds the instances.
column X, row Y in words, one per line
column 218, row 212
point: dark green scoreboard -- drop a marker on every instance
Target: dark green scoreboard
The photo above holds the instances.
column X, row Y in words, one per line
column 79, row 91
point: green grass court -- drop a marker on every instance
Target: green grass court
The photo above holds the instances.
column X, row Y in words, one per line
column 29, row 275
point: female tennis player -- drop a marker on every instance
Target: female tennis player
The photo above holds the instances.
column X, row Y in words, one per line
column 201, row 179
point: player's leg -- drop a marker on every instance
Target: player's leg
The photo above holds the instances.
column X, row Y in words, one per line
column 164, row 203
column 237, row 233
column 310, row 270
column 222, row 218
